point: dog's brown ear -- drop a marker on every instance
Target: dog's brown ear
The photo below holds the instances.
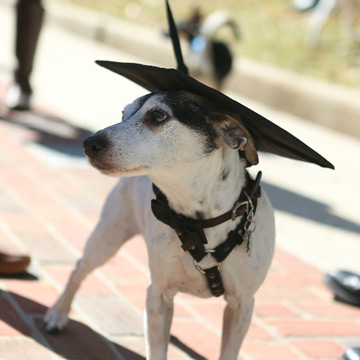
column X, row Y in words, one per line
column 233, row 134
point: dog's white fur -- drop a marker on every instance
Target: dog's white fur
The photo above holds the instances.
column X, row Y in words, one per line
column 201, row 174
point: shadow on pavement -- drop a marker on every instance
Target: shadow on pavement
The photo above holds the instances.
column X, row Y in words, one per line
column 307, row 208
column 77, row 341
column 28, row 276
column 51, row 131
column 179, row 344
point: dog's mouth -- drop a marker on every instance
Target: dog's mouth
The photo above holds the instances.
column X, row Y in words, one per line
column 108, row 169
column 99, row 164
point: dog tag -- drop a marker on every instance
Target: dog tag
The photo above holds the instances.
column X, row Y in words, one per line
column 248, row 244
column 246, row 237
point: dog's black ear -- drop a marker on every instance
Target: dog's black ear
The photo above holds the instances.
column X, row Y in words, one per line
column 233, row 134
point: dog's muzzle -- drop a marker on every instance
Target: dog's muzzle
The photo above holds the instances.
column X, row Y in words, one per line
column 95, row 144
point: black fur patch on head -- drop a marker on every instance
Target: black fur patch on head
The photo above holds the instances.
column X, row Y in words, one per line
column 194, row 112
column 139, row 102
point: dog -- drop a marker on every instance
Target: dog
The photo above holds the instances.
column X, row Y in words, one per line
column 189, row 149
column 209, row 58
column 321, row 10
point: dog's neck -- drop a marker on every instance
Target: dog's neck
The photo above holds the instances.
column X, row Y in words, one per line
column 204, row 189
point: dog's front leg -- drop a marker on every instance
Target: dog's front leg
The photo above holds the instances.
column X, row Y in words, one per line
column 98, row 250
column 57, row 316
column 115, row 227
column 236, row 322
column 158, row 317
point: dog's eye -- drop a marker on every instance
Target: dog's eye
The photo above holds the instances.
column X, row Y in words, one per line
column 158, row 116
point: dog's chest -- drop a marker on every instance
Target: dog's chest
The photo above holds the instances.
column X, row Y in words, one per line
column 173, row 269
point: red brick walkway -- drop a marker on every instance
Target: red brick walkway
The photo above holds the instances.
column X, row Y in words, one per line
column 48, row 209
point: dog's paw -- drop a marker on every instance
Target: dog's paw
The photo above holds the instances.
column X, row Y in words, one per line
column 55, row 320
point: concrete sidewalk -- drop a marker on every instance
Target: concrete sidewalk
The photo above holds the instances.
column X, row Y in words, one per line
column 50, row 200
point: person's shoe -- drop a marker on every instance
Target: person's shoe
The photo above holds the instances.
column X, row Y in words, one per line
column 13, row 264
column 17, row 99
column 351, row 354
column 345, row 285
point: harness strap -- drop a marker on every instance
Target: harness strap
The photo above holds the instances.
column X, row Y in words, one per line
column 189, row 231
column 215, row 283
column 235, row 237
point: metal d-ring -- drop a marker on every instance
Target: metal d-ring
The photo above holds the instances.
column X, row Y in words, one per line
column 200, row 269
column 237, row 206
column 248, row 224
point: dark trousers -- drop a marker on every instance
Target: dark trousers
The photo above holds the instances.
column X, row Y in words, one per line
column 29, row 19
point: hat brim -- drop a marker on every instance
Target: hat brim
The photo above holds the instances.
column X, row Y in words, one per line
column 267, row 136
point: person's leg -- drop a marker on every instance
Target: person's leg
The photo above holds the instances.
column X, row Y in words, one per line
column 29, row 19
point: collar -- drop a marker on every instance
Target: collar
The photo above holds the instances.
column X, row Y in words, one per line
column 242, row 205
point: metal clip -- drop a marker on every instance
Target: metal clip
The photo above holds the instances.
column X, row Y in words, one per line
column 250, row 202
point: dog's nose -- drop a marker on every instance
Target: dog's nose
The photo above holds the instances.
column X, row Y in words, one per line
column 95, row 144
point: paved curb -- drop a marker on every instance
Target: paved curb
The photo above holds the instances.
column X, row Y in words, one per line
column 324, row 103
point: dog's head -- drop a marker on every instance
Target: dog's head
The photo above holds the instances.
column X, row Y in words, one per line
column 163, row 130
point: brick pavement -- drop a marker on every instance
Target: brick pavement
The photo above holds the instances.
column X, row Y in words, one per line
column 48, row 205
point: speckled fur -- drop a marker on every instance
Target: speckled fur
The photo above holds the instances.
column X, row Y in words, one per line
column 188, row 149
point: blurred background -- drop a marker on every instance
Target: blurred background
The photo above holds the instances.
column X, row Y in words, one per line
column 274, row 31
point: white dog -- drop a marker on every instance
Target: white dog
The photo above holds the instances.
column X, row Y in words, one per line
column 190, row 150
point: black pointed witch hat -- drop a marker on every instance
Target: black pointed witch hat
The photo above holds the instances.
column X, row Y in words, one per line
column 267, row 136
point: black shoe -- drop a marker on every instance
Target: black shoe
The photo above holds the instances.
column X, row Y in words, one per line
column 345, row 285
column 351, row 354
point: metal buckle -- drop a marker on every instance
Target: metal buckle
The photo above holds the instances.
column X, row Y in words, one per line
column 236, row 207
